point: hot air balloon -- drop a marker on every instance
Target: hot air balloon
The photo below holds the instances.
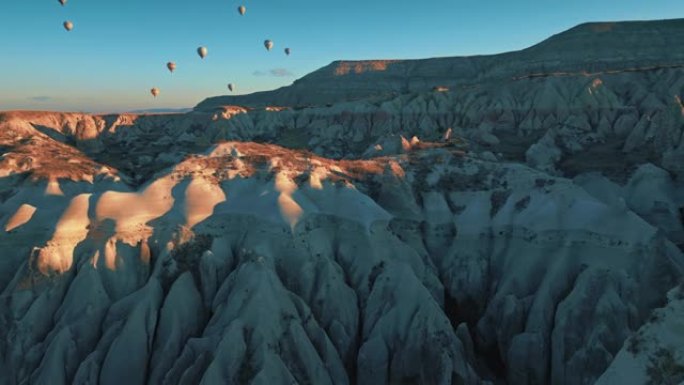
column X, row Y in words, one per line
column 68, row 25
column 171, row 66
column 63, row 2
column 268, row 44
column 242, row 9
column 154, row 91
column 202, row 52
column 230, row 87
column 287, row 51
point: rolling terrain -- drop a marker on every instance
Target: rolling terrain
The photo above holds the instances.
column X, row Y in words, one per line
column 507, row 219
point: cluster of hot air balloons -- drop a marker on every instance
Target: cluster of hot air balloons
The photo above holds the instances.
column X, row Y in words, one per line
column 201, row 51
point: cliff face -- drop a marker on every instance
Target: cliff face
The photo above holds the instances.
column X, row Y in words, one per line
column 587, row 48
column 521, row 230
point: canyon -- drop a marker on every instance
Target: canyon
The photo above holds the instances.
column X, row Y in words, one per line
column 506, row 219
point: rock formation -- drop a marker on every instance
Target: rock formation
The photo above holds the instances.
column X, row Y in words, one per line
column 523, row 229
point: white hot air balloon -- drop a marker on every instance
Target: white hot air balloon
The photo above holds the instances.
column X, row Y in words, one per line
column 68, row 25
column 268, row 44
column 154, row 91
column 231, row 87
column 202, row 52
column 171, row 66
column 287, row 51
column 63, row 2
column 242, row 9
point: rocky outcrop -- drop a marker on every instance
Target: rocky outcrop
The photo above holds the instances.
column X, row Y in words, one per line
column 429, row 267
column 563, row 125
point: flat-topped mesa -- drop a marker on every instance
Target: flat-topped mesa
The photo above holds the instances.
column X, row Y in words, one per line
column 585, row 49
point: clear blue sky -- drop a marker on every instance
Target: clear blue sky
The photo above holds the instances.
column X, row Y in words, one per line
column 119, row 48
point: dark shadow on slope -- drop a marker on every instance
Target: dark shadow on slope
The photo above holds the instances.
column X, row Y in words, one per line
column 25, row 244
column 55, row 135
column 19, row 273
column 188, row 247
column 609, row 159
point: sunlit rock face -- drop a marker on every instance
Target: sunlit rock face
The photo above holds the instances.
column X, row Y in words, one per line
column 524, row 231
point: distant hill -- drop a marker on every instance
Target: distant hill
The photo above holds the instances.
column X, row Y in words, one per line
column 586, row 48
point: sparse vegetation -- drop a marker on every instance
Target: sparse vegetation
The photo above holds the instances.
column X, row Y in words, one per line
column 523, row 203
column 655, row 317
column 664, row 369
column 375, row 272
column 498, row 199
column 246, row 372
column 187, row 255
column 635, row 343
column 294, row 138
column 543, row 182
